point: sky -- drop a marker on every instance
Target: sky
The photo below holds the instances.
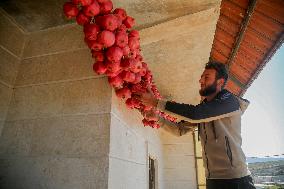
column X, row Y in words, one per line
column 263, row 121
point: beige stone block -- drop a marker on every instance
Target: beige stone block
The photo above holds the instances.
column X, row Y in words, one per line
column 178, row 149
column 54, row 173
column 72, row 136
column 179, row 184
column 66, row 38
column 177, row 55
column 179, row 174
column 16, row 138
column 169, row 138
column 133, row 120
column 124, row 174
column 149, row 13
column 11, row 37
column 8, row 67
column 87, row 96
column 76, row 97
column 179, row 161
column 126, row 144
column 5, row 96
column 57, row 67
column 36, row 101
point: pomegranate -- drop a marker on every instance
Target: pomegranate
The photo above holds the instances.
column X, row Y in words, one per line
column 106, row 7
column 70, row 10
column 133, row 103
column 114, row 54
column 112, row 66
column 115, row 81
column 126, row 51
column 82, row 2
column 129, row 22
column 127, row 76
column 139, row 57
column 98, row 55
column 82, row 19
column 99, row 68
column 138, row 88
column 143, row 71
column 112, row 74
column 133, row 43
column 137, row 78
column 102, row 1
column 121, row 39
column 135, row 34
column 92, row 9
column 121, row 13
column 107, row 38
column 91, row 31
column 94, row 45
column 123, row 93
column 108, row 22
column 121, row 28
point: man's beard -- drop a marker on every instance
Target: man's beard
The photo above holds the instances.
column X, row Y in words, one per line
column 209, row 90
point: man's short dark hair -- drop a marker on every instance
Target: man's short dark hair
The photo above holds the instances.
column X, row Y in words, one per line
column 221, row 70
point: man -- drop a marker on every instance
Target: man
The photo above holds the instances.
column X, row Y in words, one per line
column 218, row 117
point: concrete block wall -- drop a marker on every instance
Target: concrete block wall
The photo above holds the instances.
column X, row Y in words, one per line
column 12, row 40
column 57, row 129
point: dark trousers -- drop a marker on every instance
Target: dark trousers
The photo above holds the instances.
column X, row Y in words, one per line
column 237, row 183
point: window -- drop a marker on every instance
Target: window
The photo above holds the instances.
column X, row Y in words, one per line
column 152, row 173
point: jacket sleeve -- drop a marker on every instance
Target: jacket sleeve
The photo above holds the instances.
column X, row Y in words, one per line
column 177, row 129
column 225, row 106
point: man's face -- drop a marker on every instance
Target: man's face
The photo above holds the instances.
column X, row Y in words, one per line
column 208, row 82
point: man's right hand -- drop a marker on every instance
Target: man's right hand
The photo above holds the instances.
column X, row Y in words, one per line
column 148, row 99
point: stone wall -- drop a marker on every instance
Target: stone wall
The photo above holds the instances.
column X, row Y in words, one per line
column 56, row 133
column 11, row 46
column 65, row 128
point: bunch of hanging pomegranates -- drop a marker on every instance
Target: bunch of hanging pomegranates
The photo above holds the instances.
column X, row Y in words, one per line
column 115, row 46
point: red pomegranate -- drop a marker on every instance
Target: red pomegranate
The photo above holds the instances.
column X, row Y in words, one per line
column 123, row 93
column 133, row 43
column 121, row 39
column 92, row 9
column 129, row 22
column 115, row 81
column 82, row 2
column 114, row 54
column 82, row 19
column 113, row 74
column 98, row 55
column 135, row 34
column 106, row 7
column 107, row 38
column 99, row 68
column 121, row 13
column 132, row 54
column 136, row 67
column 102, row 1
column 108, row 22
column 133, row 103
column 143, row 71
column 112, row 66
column 121, row 28
column 127, row 76
column 126, row 51
column 91, row 31
column 139, row 58
column 137, row 78
column 70, row 10
column 138, row 88
column 94, row 45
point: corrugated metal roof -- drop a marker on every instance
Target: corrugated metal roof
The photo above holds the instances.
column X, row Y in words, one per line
column 247, row 35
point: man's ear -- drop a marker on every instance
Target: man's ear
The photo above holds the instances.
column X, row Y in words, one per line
column 221, row 82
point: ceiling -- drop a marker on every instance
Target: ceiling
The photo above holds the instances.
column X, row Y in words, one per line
column 247, row 32
column 37, row 15
column 247, row 35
